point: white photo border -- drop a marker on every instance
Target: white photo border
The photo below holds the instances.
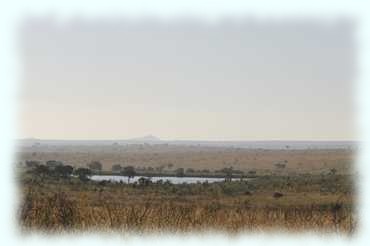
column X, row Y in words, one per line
column 13, row 12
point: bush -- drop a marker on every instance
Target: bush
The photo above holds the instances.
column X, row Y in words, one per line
column 180, row 172
column 95, row 166
column 83, row 174
column 129, row 171
column 53, row 164
column 277, row 195
column 190, row 170
column 116, row 168
column 63, row 171
column 40, row 170
column 144, row 181
column 32, row 164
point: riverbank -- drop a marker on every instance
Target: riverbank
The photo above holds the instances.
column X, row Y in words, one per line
column 172, row 174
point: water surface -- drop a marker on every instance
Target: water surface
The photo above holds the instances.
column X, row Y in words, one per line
column 173, row 180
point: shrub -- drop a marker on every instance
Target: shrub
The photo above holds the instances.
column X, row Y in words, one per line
column 83, row 174
column 95, row 166
column 63, row 171
column 129, row 171
column 180, row 172
column 277, row 195
column 32, row 164
column 53, row 164
column 116, row 168
column 190, row 170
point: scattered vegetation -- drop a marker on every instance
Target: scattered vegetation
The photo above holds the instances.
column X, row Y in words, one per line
column 275, row 189
column 95, row 166
column 303, row 202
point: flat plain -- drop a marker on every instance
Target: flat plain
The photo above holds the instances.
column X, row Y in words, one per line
column 290, row 189
column 169, row 157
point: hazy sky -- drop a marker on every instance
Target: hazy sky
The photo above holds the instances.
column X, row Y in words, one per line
column 185, row 79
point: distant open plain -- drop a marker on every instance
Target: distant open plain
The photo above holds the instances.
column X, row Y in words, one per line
column 167, row 157
column 282, row 188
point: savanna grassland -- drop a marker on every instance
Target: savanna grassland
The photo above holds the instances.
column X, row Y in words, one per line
column 294, row 190
column 166, row 158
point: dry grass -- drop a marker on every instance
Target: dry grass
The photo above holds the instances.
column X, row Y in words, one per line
column 212, row 158
column 59, row 205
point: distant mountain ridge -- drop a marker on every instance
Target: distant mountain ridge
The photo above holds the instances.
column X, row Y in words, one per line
column 150, row 139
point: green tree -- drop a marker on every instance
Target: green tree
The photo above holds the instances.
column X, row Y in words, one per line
column 83, row 174
column 63, row 171
column 41, row 171
column 53, row 164
column 32, row 164
column 228, row 172
column 117, row 168
column 333, row 171
column 129, row 171
column 180, row 172
column 144, row 181
column 190, row 170
column 95, row 166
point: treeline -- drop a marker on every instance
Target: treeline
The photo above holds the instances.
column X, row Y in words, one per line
column 59, row 169
column 178, row 172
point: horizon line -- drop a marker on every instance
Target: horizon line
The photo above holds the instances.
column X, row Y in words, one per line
column 195, row 140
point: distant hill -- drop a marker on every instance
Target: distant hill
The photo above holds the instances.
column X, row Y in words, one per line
column 147, row 138
column 153, row 140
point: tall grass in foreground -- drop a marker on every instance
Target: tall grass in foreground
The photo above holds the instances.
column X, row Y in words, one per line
column 56, row 211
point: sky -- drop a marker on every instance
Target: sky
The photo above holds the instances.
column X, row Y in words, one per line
column 237, row 79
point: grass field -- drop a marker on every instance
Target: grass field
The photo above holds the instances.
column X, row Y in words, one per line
column 166, row 158
column 323, row 203
column 294, row 190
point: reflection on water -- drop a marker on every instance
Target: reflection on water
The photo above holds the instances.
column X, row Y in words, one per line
column 173, row 180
